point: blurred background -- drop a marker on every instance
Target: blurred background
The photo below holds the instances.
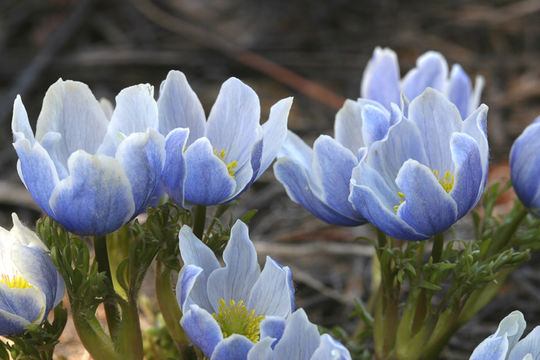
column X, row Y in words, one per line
column 315, row 51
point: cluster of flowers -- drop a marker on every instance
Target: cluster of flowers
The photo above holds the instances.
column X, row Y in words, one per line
column 410, row 157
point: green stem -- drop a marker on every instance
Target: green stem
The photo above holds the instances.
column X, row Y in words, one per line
column 438, row 244
column 199, row 221
column 94, row 339
column 171, row 311
column 110, row 301
column 386, row 312
column 130, row 336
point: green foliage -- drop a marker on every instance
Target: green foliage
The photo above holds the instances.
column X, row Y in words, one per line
column 84, row 284
column 427, row 299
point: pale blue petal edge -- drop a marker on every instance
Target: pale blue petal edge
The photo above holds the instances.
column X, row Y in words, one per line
column 241, row 271
column 234, row 347
column 179, row 107
column 202, row 329
column 96, row 198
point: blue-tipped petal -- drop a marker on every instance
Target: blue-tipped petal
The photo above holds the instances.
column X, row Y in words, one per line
column 428, row 208
column 11, row 324
column 262, row 350
column 348, row 126
column 512, row 326
column 431, row 71
column 142, row 156
column 524, row 176
column 203, row 330
column 375, row 124
column 529, row 345
column 179, row 107
column 272, row 326
column 274, row 132
column 233, row 123
column 270, row 293
column 436, row 118
column 70, row 108
column 388, row 155
column 459, row 89
column 476, row 126
column 38, row 173
column 184, row 286
column 524, row 153
column 20, row 124
column 235, row 280
column 27, row 303
column 295, row 180
column 371, row 196
column 380, row 81
column 50, row 143
column 95, row 198
column 136, row 111
column 207, row 181
column 295, row 148
column 491, row 349
column 299, row 340
column 468, row 184
column 250, row 172
column 291, row 287
column 332, row 166
column 174, row 170
column 235, row 347
column 36, row 266
column 330, row 349
column 195, row 252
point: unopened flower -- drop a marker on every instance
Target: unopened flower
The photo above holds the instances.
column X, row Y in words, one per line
column 212, row 162
column 525, row 166
column 223, row 307
column 428, row 172
column 90, row 174
column 381, row 81
column 30, row 285
column 504, row 344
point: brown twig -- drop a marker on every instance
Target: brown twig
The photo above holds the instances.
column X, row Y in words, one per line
column 234, row 51
column 57, row 40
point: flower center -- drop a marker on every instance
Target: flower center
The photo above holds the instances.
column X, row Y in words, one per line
column 230, row 166
column 235, row 318
column 446, row 181
column 15, row 282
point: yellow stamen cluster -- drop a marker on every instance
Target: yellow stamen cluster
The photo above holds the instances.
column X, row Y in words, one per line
column 447, row 181
column 15, row 282
column 401, row 195
column 230, row 166
column 235, row 318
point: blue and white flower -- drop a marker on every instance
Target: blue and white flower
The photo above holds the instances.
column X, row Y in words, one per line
column 504, row 344
column 295, row 338
column 428, row 172
column 525, row 166
column 30, row 285
column 319, row 178
column 90, row 174
column 381, row 81
column 212, row 162
column 223, row 306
